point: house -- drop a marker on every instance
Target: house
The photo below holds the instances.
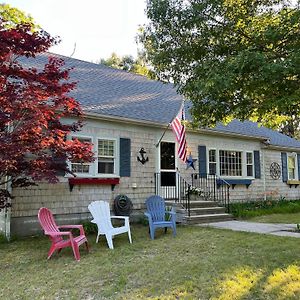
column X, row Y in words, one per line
column 125, row 117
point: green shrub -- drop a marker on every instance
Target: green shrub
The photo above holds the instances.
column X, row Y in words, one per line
column 251, row 209
column 89, row 227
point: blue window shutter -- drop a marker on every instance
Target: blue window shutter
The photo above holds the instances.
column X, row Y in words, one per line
column 257, row 164
column 298, row 161
column 125, row 153
column 284, row 167
column 202, row 160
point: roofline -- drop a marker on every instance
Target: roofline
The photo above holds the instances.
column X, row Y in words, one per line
column 282, row 148
column 97, row 116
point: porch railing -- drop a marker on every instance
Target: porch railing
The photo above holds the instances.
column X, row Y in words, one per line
column 211, row 187
column 175, row 188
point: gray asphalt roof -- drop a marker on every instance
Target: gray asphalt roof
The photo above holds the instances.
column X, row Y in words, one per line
column 107, row 91
column 252, row 128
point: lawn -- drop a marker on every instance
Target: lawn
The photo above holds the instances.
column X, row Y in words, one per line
column 278, row 218
column 200, row 263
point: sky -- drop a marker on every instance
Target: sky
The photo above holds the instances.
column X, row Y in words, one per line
column 97, row 27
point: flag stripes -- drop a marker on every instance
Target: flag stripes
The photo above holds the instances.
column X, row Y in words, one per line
column 179, row 131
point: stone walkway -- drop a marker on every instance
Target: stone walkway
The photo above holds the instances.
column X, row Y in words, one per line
column 265, row 228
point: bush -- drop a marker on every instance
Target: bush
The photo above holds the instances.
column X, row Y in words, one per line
column 89, row 227
column 251, row 209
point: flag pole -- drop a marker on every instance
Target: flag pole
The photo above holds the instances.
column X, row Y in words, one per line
column 157, row 144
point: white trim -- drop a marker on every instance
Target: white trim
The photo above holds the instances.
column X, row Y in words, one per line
column 294, row 155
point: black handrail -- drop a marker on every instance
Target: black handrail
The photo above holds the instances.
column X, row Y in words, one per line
column 178, row 190
column 212, row 187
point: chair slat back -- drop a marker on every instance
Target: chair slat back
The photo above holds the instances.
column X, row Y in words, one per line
column 48, row 224
column 156, row 207
column 101, row 213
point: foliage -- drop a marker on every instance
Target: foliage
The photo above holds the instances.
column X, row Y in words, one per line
column 259, row 208
column 89, row 227
column 12, row 17
column 200, row 263
column 33, row 144
column 128, row 63
column 232, row 59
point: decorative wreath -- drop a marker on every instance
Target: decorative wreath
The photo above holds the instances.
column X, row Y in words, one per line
column 275, row 170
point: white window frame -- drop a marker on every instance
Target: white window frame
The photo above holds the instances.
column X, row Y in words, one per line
column 252, row 164
column 116, row 160
column 213, row 162
column 243, row 162
column 242, row 159
column 293, row 155
column 91, row 165
column 93, row 171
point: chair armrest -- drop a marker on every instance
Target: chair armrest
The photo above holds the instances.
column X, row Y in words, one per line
column 125, row 218
column 170, row 212
column 80, row 227
column 148, row 215
column 55, row 233
column 119, row 217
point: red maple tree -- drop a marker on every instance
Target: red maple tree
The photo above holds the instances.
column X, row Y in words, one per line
column 33, row 143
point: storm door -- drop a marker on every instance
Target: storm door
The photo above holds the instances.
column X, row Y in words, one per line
column 167, row 170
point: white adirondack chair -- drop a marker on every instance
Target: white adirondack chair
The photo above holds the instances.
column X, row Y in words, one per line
column 101, row 214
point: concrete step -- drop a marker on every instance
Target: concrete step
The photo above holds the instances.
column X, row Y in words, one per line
column 208, row 218
column 204, row 210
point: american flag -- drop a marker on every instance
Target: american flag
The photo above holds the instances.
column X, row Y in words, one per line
column 179, row 131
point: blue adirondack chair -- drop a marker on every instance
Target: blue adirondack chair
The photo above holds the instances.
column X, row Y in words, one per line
column 156, row 214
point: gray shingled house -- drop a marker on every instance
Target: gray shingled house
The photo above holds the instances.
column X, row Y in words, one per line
column 125, row 117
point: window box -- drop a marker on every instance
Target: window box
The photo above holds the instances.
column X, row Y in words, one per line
column 234, row 182
column 87, row 181
column 293, row 182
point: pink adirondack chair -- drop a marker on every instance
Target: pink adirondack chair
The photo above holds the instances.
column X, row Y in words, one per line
column 56, row 236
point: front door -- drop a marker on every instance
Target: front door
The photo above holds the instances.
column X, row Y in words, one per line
column 167, row 170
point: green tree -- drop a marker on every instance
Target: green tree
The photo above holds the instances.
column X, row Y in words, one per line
column 231, row 58
column 130, row 64
column 11, row 17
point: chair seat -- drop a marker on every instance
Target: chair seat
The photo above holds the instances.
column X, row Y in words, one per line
column 119, row 230
column 163, row 223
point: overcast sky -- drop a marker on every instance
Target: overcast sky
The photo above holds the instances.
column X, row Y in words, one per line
column 98, row 27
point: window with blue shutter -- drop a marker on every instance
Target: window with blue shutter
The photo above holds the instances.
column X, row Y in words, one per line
column 125, row 154
column 284, row 167
column 202, row 160
column 257, row 172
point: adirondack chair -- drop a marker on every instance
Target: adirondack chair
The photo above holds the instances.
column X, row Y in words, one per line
column 101, row 214
column 50, row 228
column 156, row 214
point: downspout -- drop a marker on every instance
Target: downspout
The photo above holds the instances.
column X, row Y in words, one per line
column 264, row 174
column 265, row 145
column 7, row 211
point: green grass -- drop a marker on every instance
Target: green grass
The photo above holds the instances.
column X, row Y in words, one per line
column 250, row 209
column 278, row 218
column 200, row 263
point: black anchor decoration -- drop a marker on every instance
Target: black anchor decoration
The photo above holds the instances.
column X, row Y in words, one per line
column 143, row 159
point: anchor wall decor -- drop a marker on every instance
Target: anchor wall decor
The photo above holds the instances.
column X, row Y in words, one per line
column 143, row 159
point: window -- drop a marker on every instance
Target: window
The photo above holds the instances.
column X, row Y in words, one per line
column 291, row 167
column 249, row 162
column 230, row 163
column 212, row 162
column 106, row 156
column 80, row 166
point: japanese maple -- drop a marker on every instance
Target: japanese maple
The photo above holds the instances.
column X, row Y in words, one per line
column 33, row 102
